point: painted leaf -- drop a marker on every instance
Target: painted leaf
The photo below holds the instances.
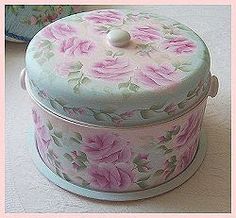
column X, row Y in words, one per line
column 75, row 140
column 133, row 87
column 85, row 80
column 68, row 157
column 58, row 134
column 182, row 104
column 100, row 116
column 60, row 101
column 123, row 85
column 146, row 114
column 158, row 172
column 78, row 136
column 49, row 125
column 109, row 53
column 144, row 178
column 168, row 151
column 142, row 184
column 56, row 141
column 53, row 104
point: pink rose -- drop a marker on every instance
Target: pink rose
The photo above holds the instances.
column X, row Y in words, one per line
column 105, row 16
column 179, row 45
column 111, row 69
column 33, row 20
column 146, row 33
column 110, row 177
column 106, row 148
column 58, row 31
column 157, row 76
column 189, row 131
column 43, row 137
column 187, row 157
column 76, row 46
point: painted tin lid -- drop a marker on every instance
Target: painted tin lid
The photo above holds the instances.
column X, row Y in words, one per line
column 118, row 67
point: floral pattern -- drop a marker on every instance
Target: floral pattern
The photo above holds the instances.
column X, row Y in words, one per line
column 160, row 56
column 146, row 33
column 179, row 45
column 76, row 46
column 111, row 69
column 157, row 76
column 109, row 160
column 58, row 31
column 106, row 16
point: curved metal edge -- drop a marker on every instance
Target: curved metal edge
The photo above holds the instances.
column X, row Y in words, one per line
column 128, row 196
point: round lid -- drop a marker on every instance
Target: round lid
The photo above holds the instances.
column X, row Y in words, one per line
column 117, row 67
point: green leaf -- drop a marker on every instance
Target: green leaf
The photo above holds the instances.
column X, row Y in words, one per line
column 66, row 177
column 53, row 103
column 168, row 136
column 100, row 116
column 83, row 156
column 123, row 85
column 58, row 134
column 158, row 172
column 68, row 157
column 76, row 89
column 146, row 114
column 49, row 55
column 81, row 164
column 168, row 151
column 74, row 75
column 60, row 101
column 142, row 184
column 56, row 141
column 144, row 178
column 119, row 53
column 78, row 136
column 77, row 66
column 49, row 125
column 85, row 80
column 109, row 53
column 173, row 159
column 157, row 106
column 37, row 54
column 182, row 104
column 133, row 87
column 75, row 140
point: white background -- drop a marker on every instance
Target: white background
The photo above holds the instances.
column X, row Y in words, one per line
column 207, row 191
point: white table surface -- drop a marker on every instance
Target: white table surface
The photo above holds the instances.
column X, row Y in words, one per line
column 207, row 191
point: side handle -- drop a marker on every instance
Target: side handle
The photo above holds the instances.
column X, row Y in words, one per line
column 22, row 79
column 214, row 87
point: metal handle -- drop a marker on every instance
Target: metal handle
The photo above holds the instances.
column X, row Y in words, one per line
column 22, row 79
column 214, row 87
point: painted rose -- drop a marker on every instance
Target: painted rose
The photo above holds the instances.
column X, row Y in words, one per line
column 111, row 69
column 75, row 46
column 43, row 137
column 179, row 45
column 104, row 17
column 58, row 31
column 157, row 76
column 146, row 33
column 189, row 131
column 186, row 157
column 110, row 177
column 106, row 148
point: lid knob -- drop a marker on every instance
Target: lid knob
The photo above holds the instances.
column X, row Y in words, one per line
column 118, row 37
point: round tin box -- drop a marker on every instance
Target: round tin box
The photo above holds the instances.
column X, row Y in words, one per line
column 118, row 100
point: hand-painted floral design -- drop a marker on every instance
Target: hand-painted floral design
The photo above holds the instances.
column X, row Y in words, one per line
column 187, row 157
column 105, row 16
column 75, row 46
column 146, row 33
column 110, row 177
column 58, row 31
column 111, row 69
column 142, row 162
column 189, row 131
column 179, row 45
column 106, row 148
column 157, row 76
column 43, row 137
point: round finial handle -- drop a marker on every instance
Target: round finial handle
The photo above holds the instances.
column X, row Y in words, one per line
column 118, row 37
